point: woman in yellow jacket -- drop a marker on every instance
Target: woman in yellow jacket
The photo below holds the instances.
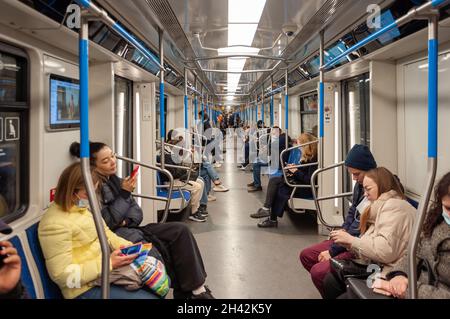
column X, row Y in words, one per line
column 71, row 248
column 385, row 228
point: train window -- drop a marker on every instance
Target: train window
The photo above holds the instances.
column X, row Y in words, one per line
column 308, row 113
column 357, row 110
column 123, row 122
column 14, row 159
column 12, row 78
column 158, row 134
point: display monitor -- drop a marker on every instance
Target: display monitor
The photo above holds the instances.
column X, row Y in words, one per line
column 64, row 102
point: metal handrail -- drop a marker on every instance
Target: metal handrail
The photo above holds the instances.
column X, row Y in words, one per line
column 170, row 186
column 183, row 183
column 285, row 169
column 183, row 167
column 317, row 199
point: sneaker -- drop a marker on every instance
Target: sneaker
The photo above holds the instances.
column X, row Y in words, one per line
column 252, row 189
column 217, row 165
column 268, row 223
column 203, row 211
column 204, row 295
column 211, row 198
column 198, row 217
column 261, row 213
column 251, row 184
column 220, row 188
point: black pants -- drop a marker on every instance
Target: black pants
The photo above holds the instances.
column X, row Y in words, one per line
column 186, row 260
column 272, row 188
column 333, row 288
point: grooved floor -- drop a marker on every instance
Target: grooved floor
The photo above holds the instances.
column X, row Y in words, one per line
column 244, row 261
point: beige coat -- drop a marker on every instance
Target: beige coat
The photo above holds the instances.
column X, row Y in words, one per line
column 388, row 229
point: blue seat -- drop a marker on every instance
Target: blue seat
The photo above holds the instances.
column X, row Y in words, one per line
column 294, row 158
column 176, row 194
column 51, row 290
column 25, row 277
column 412, row 202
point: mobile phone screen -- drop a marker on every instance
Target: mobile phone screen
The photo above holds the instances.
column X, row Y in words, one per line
column 134, row 172
column 131, row 250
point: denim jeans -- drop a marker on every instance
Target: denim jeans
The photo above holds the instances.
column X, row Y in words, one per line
column 211, row 171
column 207, row 182
column 257, row 173
column 118, row 292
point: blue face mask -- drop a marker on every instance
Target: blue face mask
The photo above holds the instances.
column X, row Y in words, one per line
column 82, row 203
column 445, row 215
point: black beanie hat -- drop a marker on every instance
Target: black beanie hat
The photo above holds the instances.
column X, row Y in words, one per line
column 361, row 158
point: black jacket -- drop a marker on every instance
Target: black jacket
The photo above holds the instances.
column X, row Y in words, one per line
column 351, row 223
column 118, row 206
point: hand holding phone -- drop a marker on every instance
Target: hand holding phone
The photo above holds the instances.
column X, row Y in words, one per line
column 131, row 250
column 134, row 172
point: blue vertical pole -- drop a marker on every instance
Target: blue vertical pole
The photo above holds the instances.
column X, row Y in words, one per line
column 286, row 108
column 271, row 103
column 186, row 119
column 83, row 47
column 321, row 100
column 433, row 56
column 271, row 111
column 262, row 106
column 195, row 108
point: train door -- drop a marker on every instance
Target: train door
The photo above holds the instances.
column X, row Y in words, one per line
column 356, row 119
column 14, row 159
column 123, row 122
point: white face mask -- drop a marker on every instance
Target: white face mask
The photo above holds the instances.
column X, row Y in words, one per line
column 363, row 205
column 82, row 203
column 445, row 215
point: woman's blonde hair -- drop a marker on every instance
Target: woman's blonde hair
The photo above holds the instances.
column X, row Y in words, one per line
column 309, row 152
column 386, row 181
column 70, row 182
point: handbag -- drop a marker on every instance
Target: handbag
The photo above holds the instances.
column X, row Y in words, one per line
column 349, row 268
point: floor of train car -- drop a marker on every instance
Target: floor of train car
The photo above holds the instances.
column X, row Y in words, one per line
column 244, row 261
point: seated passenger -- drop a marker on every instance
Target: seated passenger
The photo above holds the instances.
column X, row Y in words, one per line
column 123, row 215
column 195, row 184
column 433, row 254
column 277, row 138
column 278, row 192
column 10, row 269
column 71, row 247
column 385, row 226
column 316, row 258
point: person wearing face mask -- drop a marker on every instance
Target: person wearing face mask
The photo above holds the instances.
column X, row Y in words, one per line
column 385, row 226
column 123, row 216
column 432, row 257
column 70, row 243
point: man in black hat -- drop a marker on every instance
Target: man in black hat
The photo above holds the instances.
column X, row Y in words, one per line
column 10, row 265
column 316, row 258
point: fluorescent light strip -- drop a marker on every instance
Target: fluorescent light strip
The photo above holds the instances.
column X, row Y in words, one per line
column 243, row 20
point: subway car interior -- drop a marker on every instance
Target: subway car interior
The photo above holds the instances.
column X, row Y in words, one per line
column 257, row 149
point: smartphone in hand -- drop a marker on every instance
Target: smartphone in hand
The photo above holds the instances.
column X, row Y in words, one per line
column 131, row 250
column 2, row 257
column 134, row 172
